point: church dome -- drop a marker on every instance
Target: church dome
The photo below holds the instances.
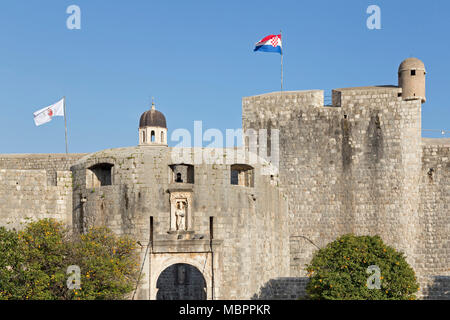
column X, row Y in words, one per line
column 152, row 118
column 411, row 64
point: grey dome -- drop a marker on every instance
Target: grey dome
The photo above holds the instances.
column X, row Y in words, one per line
column 152, row 118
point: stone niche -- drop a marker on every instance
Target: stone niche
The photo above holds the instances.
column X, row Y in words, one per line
column 181, row 210
column 181, row 173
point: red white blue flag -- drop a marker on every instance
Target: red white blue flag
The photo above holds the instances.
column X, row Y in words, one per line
column 270, row 43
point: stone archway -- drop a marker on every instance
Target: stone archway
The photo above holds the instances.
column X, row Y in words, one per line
column 181, row 281
column 160, row 262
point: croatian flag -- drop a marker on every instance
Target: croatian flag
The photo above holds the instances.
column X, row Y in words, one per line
column 270, row 43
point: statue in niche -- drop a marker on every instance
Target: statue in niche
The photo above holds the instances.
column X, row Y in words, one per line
column 180, row 214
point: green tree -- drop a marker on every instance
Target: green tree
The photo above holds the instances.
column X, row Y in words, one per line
column 109, row 265
column 46, row 247
column 340, row 271
column 11, row 266
column 34, row 262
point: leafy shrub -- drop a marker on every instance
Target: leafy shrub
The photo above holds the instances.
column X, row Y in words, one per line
column 339, row 271
column 108, row 263
column 34, row 262
column 11, row 266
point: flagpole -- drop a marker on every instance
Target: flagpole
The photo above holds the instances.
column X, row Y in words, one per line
column 281, row 62
column 65, row 123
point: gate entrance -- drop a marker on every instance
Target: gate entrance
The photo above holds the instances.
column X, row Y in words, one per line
column 181, row 281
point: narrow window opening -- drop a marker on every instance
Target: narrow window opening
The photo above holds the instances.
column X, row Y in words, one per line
column 162, row 136
column 151, row 230
column 430, row 174
column 242, row 175
column 153, row 136
column 211, row 228
column 413, row 72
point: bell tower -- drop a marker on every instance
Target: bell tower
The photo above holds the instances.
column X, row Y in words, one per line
column 152, row 128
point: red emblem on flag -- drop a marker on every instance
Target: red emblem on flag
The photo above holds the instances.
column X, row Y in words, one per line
column 274, row 41
column 50, row 113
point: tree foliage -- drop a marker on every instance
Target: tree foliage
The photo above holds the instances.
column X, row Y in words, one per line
column 34, row 263
column 340, row 271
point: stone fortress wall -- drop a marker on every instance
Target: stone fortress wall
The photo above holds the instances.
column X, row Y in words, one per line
column 356, row 166
column 360, row 166
column 250, row 233
column 433, row 246
column 35, row 186
column 50, row 163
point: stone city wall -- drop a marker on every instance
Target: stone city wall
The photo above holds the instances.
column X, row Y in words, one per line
column 433, row 246
column 250, row 223
column 353, row 167
column 51, row 163
column 35, row 186
column 25, row 196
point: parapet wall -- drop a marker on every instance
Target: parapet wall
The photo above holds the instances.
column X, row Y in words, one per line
column 35, row 186
column 51, row 163
column 25, row 195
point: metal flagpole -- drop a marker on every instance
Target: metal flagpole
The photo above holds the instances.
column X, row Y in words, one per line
column 281, row 62
column 65, row 123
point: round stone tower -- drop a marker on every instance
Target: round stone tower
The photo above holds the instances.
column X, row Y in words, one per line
column 411, row 78
column 152, row 128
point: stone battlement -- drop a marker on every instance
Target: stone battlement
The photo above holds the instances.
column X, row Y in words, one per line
column 355, row 167
column 340, row 97
column 51, row 163
column 351, row 96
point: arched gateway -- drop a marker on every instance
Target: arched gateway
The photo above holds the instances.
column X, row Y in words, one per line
column 182, row 276
column 181, row 281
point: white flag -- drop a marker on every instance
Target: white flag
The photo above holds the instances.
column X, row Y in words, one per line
column 46, row 114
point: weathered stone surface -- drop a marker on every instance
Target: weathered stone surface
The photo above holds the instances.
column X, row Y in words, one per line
column 359, row 166
column 249, row 223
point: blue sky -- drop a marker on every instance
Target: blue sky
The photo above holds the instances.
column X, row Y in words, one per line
column 196, row 58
